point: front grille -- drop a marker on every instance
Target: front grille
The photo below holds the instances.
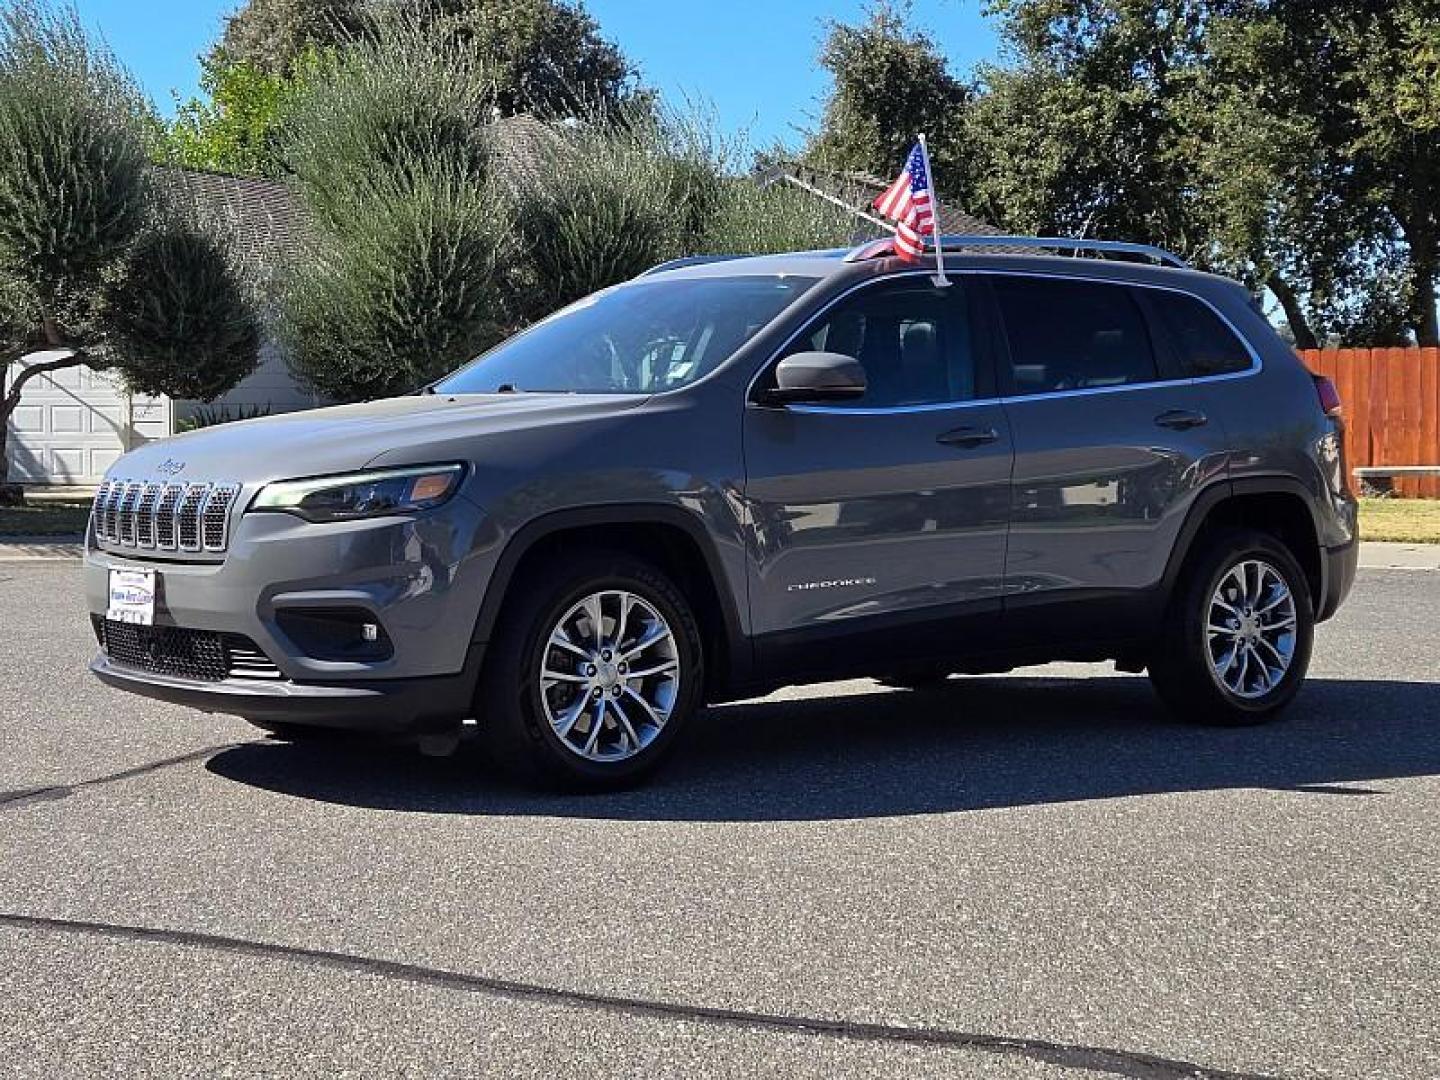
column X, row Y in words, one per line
column 184, row 653
column 166, row 517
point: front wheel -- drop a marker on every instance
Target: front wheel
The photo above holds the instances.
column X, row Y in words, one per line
column 1238, row 633
column 594, row 671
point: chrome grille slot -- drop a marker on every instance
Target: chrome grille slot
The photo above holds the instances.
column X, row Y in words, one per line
column 97, row 509
column 145, row 515
column 247, row 661
column 105, row 524
column 215, row 517
column 110, row 528
column 129, row 500
column 165, row 515
column 187, row 516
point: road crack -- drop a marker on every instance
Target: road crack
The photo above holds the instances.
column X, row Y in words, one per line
column 64, row 791
column 1125, row 1063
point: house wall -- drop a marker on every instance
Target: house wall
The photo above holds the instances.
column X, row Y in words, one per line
column 270, row 386
column 73, row 423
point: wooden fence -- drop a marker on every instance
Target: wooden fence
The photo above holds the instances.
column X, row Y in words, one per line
column 1391, row 400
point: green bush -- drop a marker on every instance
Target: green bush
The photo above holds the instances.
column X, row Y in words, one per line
column 391, row 150
column 401, row 298
column 750, row 219
column 392, row 105
column 68, row 116
column 181, row 319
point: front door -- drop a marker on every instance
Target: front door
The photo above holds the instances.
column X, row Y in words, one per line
column 881, row 521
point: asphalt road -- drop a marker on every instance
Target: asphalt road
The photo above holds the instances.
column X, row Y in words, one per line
column 1024, row 876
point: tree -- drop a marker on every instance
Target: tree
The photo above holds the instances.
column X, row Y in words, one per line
column 546, row 57
column 391, row 154
column 232, row 129
column 890, row 83
column 82, row 225
column 1290, row 142
column 271, row 37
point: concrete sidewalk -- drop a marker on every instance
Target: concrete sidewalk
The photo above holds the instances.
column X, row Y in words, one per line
column 1374, row 555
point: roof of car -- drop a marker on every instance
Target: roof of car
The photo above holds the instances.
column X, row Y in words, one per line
column 832, row 263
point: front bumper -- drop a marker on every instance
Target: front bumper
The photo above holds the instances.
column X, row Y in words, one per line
column 1339, row 576
column 384, row 706
column 421, row 578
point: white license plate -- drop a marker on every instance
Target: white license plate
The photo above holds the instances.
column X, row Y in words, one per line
column 132, row 597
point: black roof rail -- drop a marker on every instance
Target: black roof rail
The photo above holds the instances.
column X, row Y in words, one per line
column 874, row 249
column 687, row 260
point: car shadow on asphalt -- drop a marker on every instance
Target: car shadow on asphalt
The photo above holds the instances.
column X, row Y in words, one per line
column 974, row 744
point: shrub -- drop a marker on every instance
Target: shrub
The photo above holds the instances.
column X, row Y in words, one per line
column 181, row 317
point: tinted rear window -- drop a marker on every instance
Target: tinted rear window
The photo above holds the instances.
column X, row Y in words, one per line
column 1073, row 335
column 1204, row 345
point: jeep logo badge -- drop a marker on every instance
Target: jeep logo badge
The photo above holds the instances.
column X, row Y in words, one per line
column 169, row 467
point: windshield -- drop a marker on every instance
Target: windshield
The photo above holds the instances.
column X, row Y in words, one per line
column 639, row 338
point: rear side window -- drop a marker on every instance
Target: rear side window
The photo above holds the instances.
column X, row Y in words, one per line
column 1073, row 335
column 1203, row 344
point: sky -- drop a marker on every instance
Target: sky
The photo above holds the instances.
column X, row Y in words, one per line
column 752, row 61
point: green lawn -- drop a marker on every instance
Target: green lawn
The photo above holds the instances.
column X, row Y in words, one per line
column 1412, row 521
column 44, row 518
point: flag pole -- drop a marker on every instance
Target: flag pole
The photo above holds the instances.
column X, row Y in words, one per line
column 940, row 279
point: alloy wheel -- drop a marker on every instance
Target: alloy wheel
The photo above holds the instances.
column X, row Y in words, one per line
column 609, row 676
column 1250, row 629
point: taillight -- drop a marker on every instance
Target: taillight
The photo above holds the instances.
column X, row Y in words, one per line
column 1329, row 396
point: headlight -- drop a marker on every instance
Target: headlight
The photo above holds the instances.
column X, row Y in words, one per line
column 362, row 495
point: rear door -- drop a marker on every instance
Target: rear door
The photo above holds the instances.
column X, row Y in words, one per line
column 1112, row 443
column 881, row 521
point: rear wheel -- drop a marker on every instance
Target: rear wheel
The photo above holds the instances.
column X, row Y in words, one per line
column 1238, row 634
column 595, row 669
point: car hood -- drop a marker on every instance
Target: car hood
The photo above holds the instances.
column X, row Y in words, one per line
column 345, row 437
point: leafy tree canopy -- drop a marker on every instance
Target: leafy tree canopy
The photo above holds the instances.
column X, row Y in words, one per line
column 890, row 84
column 94, row 265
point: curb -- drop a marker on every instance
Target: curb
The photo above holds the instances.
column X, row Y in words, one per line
column 41, row 548
column 1388, row 555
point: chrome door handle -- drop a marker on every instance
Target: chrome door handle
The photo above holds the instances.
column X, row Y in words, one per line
column 1182, row 419
column 968, row 437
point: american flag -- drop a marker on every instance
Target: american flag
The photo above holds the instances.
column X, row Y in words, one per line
column 907, row 203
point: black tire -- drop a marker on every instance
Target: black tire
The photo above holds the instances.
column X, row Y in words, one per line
column 510, row 710
column 1181, row 669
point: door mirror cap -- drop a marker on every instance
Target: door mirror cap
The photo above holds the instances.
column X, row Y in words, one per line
column 817, row 377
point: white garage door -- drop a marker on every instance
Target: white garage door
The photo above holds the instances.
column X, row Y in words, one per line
column 72, row 424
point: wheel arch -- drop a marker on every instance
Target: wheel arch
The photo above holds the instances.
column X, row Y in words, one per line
column 675, row 540
column 1278, row 505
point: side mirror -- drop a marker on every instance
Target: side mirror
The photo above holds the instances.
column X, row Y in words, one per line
column 817, row 376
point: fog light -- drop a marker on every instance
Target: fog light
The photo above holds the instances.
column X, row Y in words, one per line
column 335, row 633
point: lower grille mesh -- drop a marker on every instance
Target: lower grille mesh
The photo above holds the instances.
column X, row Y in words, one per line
column 182, row 652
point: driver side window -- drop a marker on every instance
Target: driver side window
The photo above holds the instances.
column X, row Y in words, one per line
column 913, row 341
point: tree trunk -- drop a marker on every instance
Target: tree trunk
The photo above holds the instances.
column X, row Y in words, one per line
column 1425, row 318
column 1294, row 313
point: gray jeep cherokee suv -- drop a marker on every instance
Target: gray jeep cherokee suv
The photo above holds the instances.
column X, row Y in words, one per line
column 729, row 475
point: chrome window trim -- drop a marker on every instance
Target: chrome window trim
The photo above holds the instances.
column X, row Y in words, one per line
column 1256, row 365
column 888, row 410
